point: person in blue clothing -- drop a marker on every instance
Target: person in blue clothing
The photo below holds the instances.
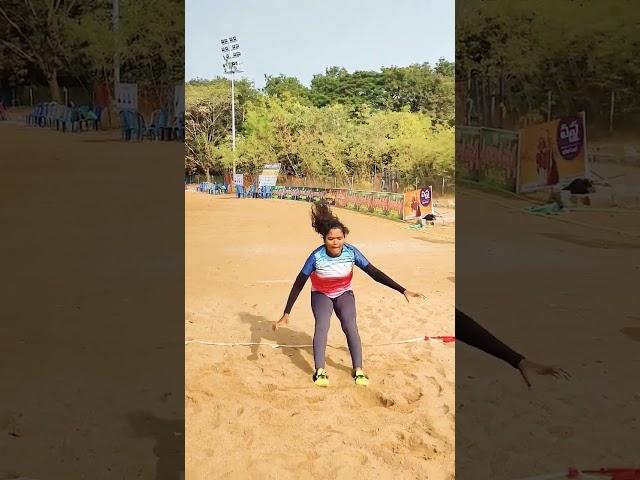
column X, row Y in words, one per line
column 330, row 267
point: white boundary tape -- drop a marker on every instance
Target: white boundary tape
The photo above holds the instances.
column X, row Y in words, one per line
column 444, row 339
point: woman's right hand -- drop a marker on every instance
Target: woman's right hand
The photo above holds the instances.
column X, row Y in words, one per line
column 409, row 293
column 284, row 320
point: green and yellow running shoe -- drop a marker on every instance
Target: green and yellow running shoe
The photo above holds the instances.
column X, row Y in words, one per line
column 360, row 378
column 321, row 378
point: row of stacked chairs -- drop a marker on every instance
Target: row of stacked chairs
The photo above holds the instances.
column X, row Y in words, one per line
column 52, row 114
column 253, row 192
column 133, row 126
column 218, row 188
column 212, row 188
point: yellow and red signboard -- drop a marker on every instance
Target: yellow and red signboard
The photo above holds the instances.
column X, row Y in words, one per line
column 417, row 203
column 552, row 153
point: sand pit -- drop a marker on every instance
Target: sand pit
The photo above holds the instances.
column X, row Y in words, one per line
column 84, row 226
column 254, row 412
column 558, row 293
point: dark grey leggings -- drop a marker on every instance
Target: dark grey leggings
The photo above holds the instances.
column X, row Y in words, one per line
column 345, row 308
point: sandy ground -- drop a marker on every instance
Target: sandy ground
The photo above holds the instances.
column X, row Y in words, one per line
column 558, row 293
column 254, row 412
column 88, row 388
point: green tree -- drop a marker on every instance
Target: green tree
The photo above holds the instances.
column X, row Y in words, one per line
column 207, row 124
column 282, row 86
column 34, row 31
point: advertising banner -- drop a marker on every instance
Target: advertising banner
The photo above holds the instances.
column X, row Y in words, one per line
column 552, row 153
column 417, row 203
column 269, row 176
column 380, row 203
column 178, row 99
column 488, row 155
column 127, row 96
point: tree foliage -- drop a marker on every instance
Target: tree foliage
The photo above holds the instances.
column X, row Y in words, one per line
column 69, row 38
column 579, row 51
column 343, row 128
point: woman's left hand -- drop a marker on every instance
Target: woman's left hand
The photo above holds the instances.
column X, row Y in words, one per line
column 528, row 368
column 409, row 293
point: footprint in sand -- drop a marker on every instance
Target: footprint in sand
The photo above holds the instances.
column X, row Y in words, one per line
column 414, row 395
column 440, row 371
column 193, row 405
column 247, row 437
column 389, row 400
column 385, row 399
column 436, row 384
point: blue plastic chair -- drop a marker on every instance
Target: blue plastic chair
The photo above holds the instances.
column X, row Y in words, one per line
column 132, row 124
column 179, row 129
column 68, row 119
column 32, row 114
column 34, row 117
column 158, row 126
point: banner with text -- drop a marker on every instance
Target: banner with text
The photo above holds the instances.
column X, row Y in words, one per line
column 379, row 203
column 488, row 155
column 269, row 176
column 417, row 203
column 552, row 153
column 127, row 96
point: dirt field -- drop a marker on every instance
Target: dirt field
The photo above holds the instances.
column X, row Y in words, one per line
column 91, row 276
column 559, row 293
column 253, row 412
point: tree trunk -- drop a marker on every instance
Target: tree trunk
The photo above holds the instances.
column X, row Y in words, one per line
column 54, row 88
column 208, row 174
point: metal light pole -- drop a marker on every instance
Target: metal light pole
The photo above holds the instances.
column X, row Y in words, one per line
column 230, row 54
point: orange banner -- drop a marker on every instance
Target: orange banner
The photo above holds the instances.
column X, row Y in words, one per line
column 552, row 153
column 417, row 203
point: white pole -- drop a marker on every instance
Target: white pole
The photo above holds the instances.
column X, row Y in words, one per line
column 613, row 100
column 233, row 123
column 549, row 106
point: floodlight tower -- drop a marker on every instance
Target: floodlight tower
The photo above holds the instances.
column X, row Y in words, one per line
column 231, row 54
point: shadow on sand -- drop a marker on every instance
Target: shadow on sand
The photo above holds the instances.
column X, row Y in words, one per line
column 261, row 331
column 169, row 442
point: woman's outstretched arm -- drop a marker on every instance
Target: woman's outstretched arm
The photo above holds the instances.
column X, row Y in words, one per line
column 472, row 333
column 297, row 287
column 381, row 277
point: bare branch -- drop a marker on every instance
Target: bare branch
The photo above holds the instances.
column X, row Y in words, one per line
column 19, row 51
column 14, row 25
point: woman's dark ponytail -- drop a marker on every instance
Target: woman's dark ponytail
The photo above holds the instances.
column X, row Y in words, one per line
column 323, row 220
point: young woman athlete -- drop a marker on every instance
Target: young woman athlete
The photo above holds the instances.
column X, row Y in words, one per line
column 330, row 267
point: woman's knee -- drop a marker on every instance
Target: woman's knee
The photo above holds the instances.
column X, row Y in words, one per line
column 321, row 328
column 349, row 326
